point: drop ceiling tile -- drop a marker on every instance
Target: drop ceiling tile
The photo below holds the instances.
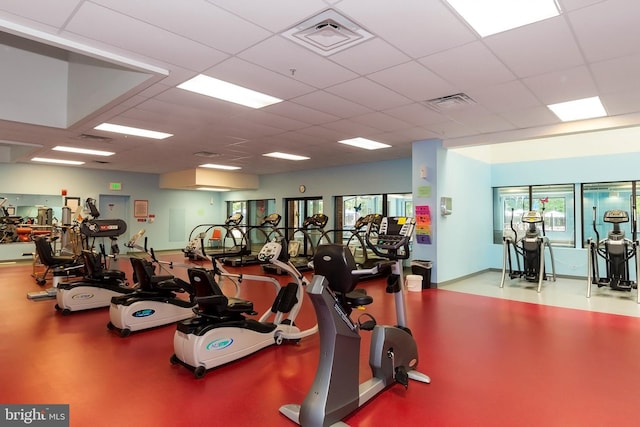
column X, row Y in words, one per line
column 615, row 36
column 282, row 56
column 381, row 121
column 414, row 81
column 216, row 109
column 322, row 133
column 480, row 122
column 97, row 22
column 409, row 135
column 451, row 129
column 249, row 130
column 331, row 104
column 415, row 27
column 468, row 66
column 569, row 5
column 276, row 17
column 352, row 130
column 370, row 56
column 507, row 96
column 47, row 12
column 416, row 114
column 561, row 86
column 301, row 113
column 537, row 48
column 369, row 93
column 531, row 117
column 244, row 73
column 303, row 139
column 230, row 34
column 623, row 102
column 180, row 118
column 266, row 118
column 617, row 75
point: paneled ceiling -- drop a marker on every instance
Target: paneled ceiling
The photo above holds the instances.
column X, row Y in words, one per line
column 418, row 51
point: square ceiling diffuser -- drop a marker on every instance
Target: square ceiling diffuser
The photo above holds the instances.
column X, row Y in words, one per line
column 327, row 33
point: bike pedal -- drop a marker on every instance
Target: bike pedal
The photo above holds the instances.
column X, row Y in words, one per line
column 402, row 376
column 367, row 325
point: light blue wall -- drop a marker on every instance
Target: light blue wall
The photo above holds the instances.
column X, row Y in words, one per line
column 392, row 176
column 461, row 241
column 615, row 167
column 466, row 234
column 425, row 156
column 184, row 209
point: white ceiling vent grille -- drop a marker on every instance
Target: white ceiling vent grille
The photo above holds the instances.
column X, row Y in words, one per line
column 206, row 154
column 456, row 101
column 327, row 33
column 97, row 138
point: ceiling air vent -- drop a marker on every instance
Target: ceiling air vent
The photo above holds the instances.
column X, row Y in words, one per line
column 89, row 137
column 327, row 33
column 450, row 102
column 206, row 154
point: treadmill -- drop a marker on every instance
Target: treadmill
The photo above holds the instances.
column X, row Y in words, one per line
column 268, row 227
column 233, row 231
column 301, row 259
column 365, row 231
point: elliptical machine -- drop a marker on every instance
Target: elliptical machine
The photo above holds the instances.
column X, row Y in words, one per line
column 155, row 301
column 616, row 250
column 393, row 354
column 220, row 332
column 530, row 248
column 95, row 290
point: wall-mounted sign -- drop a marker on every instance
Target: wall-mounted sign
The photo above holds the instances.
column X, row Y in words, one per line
column 140, row 208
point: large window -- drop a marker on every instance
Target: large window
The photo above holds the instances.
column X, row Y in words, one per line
column 400, row 205
column 556, row 202
column 355, row 207
column 597, row 198
column 237, row 207
column 253, row 212
column 350, row 208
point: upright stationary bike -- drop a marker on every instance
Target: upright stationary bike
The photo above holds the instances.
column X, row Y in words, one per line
column 393, row 354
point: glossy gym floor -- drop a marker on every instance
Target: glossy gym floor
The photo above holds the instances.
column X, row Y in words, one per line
column 496, row 357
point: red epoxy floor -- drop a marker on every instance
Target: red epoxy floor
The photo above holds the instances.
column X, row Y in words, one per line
column 492, row 362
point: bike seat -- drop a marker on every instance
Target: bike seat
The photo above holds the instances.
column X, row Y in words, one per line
column 358, row 297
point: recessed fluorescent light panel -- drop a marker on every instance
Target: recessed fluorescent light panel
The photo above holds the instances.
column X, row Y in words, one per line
column 489, row 17
column 108, row 127
column 580, row 109
column 62, row 162
column 83, row 151
column 205, row 85
column 224, row 167
column 367, row 144
column 285, row 156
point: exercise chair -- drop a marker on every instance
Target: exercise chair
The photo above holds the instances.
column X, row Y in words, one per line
column 216, row 238
column 61, row 265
